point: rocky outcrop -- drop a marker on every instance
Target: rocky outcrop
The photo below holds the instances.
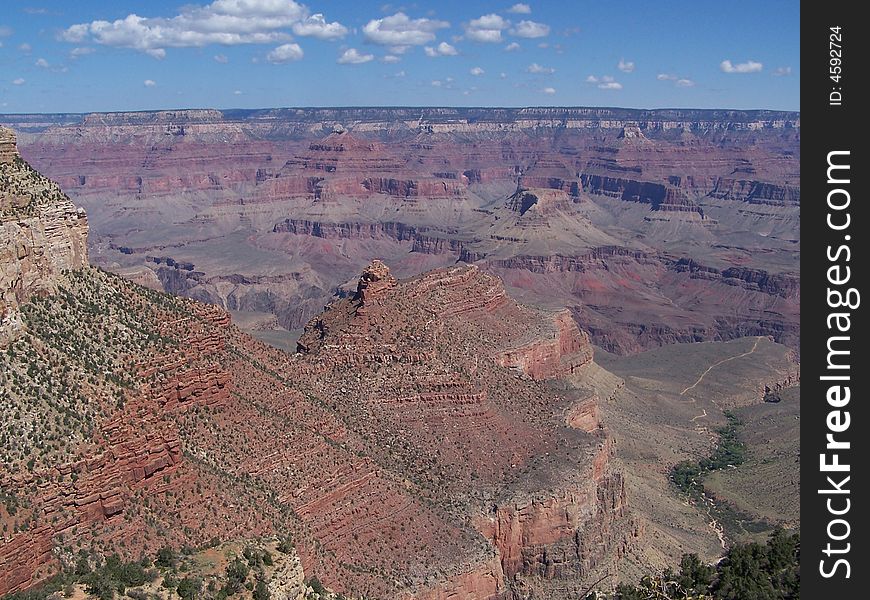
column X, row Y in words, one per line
column 288, row 581
column 374, row 282
column 567, row 351
column 560, row 536
column 570, row 187
column 135, row 451
column 755, row 192
column 8, row 147
column 98, row 492
column 423, row 239
column 540, row 201
column 659, row 196
column 42, row 234
column 484, row 582
column 786, row 286
column 414, row 188
column 596, row 258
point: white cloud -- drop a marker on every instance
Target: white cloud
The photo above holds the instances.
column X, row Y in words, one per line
column 352, row 56
column 749, row 66
column 520, row 9
column 442, row 49
column 80, row 51
column 605, row 82
column 782, row 71
column 19, row 81
column 539, row 69
column 399, row 74
column 446, row 83
column 225, row 22
column 477, row 71
column 502, row 75
column 549, row 91
column 42, row 63
column 316, row 26
column 625, row 66
column 512, row 47
column 285, row 53
column 149, row 83
column 530, row 29
column 486, row 29
column 237, row 92
column 221, row 58
column 390, row 59
column 25, row 47
column 400, row 30
column 6, row 31
column 678, row 81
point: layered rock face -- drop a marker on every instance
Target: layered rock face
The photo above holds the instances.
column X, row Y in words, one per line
column 429, row 470
column 42, row 233
column 138, row 420
column 274, row 210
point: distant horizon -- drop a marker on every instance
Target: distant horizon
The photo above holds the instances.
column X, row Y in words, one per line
column 409, row 107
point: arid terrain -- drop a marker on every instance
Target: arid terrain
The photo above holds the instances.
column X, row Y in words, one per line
column 451, row 354
column 652, row 227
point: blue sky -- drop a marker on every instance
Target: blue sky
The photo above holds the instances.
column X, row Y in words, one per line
column 63, row 56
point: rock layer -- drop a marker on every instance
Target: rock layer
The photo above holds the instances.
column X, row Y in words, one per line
column 42, row 234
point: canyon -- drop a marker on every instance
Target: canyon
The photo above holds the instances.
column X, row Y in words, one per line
column 412, row 447
column 445, row 281
column 650, row 226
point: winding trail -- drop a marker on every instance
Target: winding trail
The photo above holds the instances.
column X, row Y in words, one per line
column 724, row 360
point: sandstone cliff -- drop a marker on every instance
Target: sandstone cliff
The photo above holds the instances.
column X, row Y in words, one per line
column 42, row 233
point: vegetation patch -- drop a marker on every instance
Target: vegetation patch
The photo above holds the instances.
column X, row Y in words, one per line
column 750, row 571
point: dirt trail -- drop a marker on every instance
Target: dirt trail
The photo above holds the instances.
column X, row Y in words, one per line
column 724, row 360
